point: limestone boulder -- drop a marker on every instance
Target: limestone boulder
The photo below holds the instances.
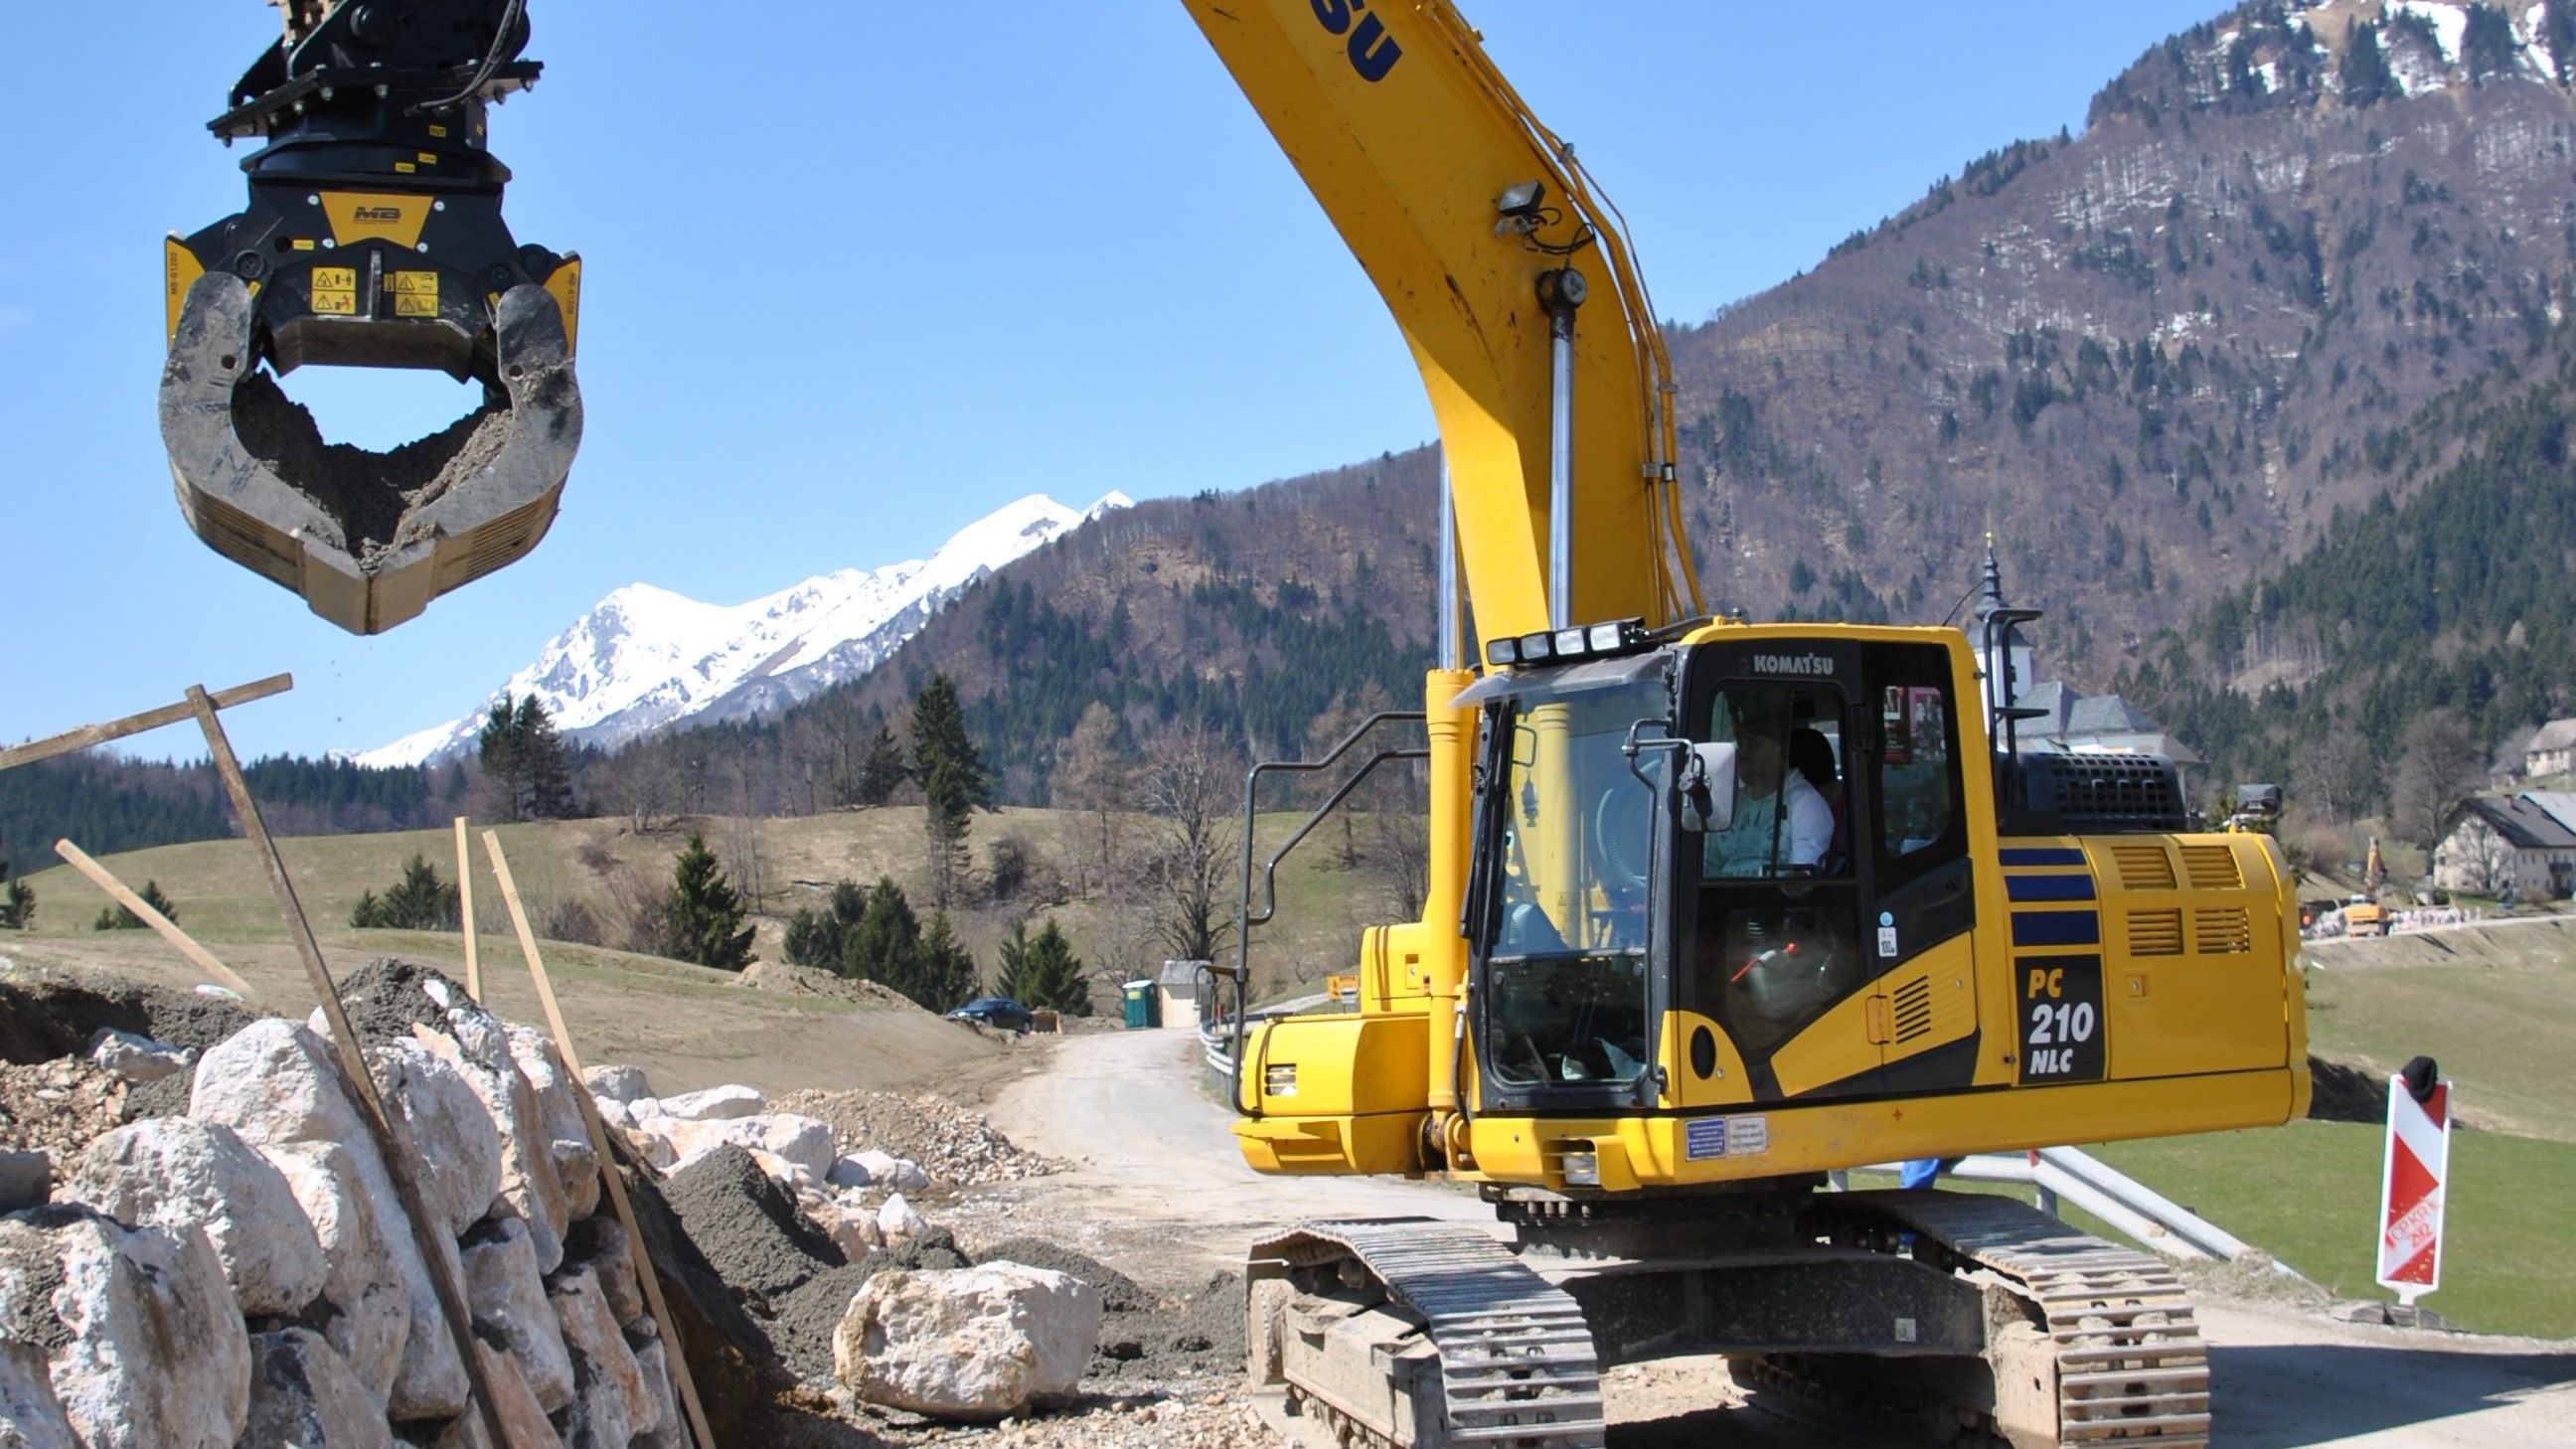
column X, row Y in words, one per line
column 654, row 1358
column 884, row 1169
column 715, row 1104
column 600, row 1245
column 452, row 1134
column 179, row 1173
column 849, row 1172
column 371, row 1305
column 135, row 1059
column 507, row 1294
column 304, row 1394
column 479, row 1049
column 967, row 1343
column 616, row 1083
column 523, row 1424
column 853, row 1230
column 610, row 1399
column 30, row 1416
column 278, row 1083
column 898, row 1220
column 144, row 1345
column 804, row 1142
column 567, row 1133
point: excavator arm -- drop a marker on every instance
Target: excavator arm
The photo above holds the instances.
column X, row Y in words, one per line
column 1512, row 283
column 372, row 238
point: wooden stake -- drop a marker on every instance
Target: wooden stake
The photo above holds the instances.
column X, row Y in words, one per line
column 465, row 906
column 169, row 929
column 645, row 1273
column 396, row 1149
column 135, row 724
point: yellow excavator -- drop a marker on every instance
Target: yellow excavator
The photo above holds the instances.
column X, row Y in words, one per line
column 1716, row 910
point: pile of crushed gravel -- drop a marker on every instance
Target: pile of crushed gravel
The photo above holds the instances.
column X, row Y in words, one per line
column 748, row 1227
column 955, row 1147
column 59, row 1107
column 388, row 996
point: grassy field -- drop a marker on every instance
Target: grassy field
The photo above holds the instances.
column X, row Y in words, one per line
column 2496, row 1007
column 223, row 897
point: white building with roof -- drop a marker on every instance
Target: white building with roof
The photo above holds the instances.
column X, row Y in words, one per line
column 2552, row 751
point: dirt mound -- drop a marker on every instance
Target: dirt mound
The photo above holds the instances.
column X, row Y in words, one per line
column 49, row 1015
column 387, row 997
column 748, row 1227
column 729, row 1352
column 789, row 980
column 956, row 1147
column 1118, row 1292
column 1201, row 1336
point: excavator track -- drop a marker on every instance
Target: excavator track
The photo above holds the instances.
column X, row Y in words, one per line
column 1409, row 1333
column 2108, row 1333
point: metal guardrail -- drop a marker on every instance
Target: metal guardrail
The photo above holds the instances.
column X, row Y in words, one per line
column 2156, row 1221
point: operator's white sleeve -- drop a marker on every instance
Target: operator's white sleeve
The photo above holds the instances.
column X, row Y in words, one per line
column 1809, row 829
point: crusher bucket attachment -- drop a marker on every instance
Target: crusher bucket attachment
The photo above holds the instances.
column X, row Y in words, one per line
column 373, row 238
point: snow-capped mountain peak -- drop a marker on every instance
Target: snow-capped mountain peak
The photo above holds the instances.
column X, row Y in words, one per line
column 645, row 657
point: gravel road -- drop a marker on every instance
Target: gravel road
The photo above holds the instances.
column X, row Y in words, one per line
column 1158, row 1190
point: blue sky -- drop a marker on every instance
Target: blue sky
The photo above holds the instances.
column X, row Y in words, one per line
column 856, row 274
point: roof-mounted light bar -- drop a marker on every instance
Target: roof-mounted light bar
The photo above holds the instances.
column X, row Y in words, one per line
column 1558, row 646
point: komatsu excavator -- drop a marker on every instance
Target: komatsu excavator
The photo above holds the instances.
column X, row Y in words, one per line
column 1716, row 910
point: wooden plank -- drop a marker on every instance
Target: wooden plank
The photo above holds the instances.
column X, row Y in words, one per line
column 72, row 741
column 645, row 1273
column 101, row 877
column 400, row 1162
column 465, row 909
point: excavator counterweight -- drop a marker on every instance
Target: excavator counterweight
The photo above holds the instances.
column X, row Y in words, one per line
column 372, row 238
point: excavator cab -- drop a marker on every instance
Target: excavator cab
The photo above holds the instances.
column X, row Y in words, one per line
column 372, row 238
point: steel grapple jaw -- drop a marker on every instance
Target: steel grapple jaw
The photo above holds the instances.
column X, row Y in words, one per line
column 373, row 238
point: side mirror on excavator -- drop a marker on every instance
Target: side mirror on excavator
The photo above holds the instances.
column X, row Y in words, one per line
column 1708, row 787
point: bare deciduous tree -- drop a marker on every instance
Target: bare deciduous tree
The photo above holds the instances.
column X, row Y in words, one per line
column 2438, row 768
column 1189, row 790
column 1093, row 774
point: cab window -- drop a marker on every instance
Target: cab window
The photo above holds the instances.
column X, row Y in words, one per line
column 1788, row 787
column 1916, row 765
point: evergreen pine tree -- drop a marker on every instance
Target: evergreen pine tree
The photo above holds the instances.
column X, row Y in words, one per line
column 886, row 946
column 2558, row 31
column 954, row 782
column 17, row 902
column 119, row 918
column 882, row 770
column 542, row 756
column 946, row 974
column 814, row 938
column 703, row 915
column 420, row 901
column 1043, row 972
column 2364, row 72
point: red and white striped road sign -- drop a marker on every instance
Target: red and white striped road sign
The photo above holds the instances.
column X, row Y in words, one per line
column 2411, row 1190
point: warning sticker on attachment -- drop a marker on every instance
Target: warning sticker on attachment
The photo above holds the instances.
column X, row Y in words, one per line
column 415, row 294
column 1708, row 1137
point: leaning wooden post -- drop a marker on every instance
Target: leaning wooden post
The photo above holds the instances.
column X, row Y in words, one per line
column 645, row 1273
column 465, row 907
column 400, row 1164
column 99, row 876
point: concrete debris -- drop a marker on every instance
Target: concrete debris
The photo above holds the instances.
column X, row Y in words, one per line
column 133, row 1058
column 145, row 1346
column 967, row 1343
column 180, row 1174
column 507, row 1293
column 371, row 1307
column 715, row 1104
column 302, row 1393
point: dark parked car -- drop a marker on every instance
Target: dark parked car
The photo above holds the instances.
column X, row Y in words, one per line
column 999, row 1012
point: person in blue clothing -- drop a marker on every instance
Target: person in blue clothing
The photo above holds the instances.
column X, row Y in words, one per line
column 1924, row 1171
